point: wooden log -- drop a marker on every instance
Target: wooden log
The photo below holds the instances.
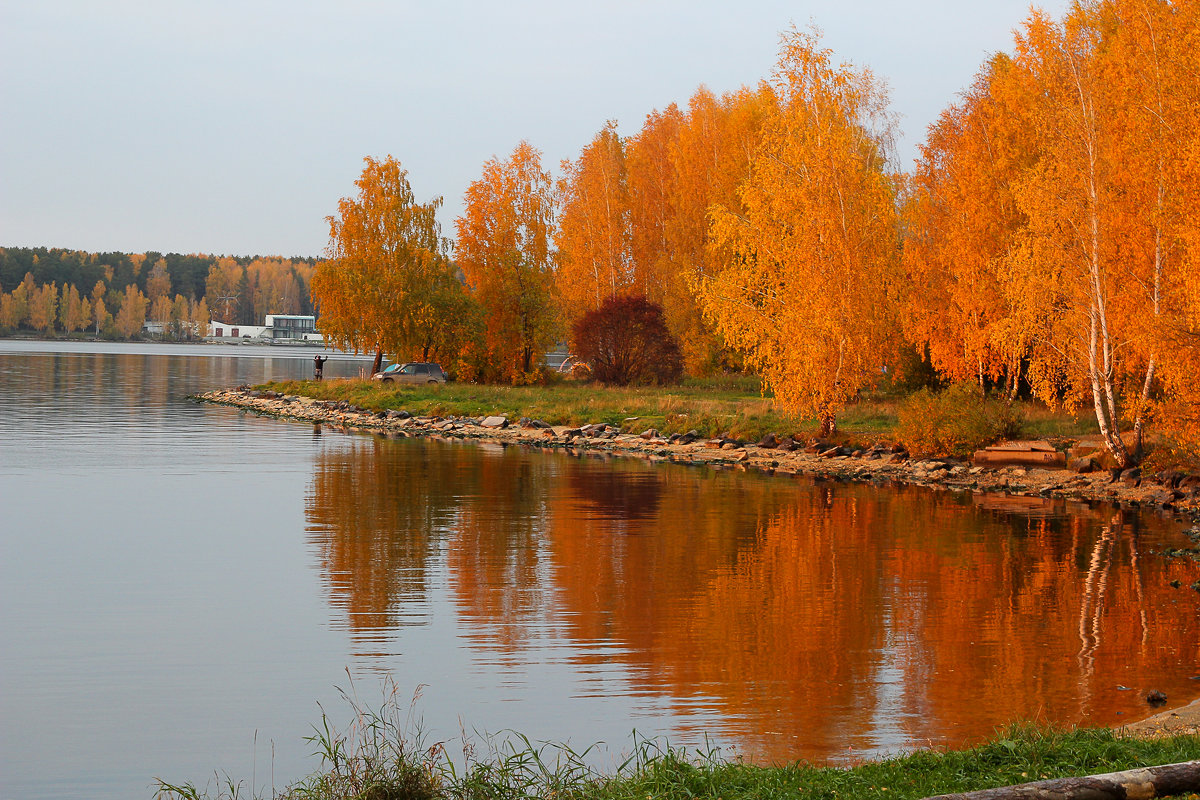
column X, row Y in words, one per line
column 1143, row 783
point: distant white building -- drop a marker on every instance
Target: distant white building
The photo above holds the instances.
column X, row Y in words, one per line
column 278, row 328
column 293, row 326
column 225, row 332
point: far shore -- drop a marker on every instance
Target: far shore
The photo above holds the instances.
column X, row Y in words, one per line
column 1012, row 488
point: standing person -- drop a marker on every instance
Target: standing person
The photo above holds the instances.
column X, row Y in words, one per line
column 319, row 366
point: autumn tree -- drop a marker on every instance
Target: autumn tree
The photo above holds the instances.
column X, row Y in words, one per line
column 221, row 288
column 504, row 250
column 8, row 311
column 75, row 312
column 158, row 283
column 160, row 312
column 593, row 237
column 626, row 340
column 962, row 220
column 100, row 313
column 382, row 287
column 1151, row 57
column 198, row 318
column 680, row 164
column 22, row 295
column 1107, row 203
column 810, row 271
column 43, row 308
column 132, row 314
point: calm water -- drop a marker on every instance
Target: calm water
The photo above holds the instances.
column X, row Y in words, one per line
column 181, row 584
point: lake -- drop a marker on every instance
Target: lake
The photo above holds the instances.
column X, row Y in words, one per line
column 182, row 584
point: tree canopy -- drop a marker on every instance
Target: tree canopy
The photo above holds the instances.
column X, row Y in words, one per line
column 387, row 285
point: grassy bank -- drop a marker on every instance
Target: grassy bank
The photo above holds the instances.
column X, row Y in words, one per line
column 376, row 762
column 729, row 405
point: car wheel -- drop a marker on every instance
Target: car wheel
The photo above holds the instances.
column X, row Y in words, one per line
column 387, row 380
column 431, row 381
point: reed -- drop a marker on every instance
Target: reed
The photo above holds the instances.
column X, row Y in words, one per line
column 384, row 755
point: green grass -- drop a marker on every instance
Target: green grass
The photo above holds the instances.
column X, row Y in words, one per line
column 734, row 405
column 383, row 756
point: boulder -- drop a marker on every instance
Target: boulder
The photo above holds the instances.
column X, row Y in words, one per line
column 769, row 442
column 1131, row 476
column 1084, row 465
column 493, row 422
column 648, row 434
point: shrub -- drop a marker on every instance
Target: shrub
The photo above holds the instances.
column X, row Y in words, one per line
column 626, row 341
column 956, row 421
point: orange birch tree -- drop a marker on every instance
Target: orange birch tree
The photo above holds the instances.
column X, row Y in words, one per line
column 592, row 240
column 961, row 222
column 387, row 263
column 504, row 250
column 680, row 165
column 1100, row 253
column 808, row 283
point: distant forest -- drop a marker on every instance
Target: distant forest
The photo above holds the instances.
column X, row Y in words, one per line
column 38, row 284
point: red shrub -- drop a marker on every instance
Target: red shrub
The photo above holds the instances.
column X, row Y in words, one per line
column 626, row 341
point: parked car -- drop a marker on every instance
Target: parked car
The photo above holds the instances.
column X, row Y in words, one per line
column 414, row 372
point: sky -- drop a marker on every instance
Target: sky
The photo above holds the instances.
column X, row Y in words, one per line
column 233, row 128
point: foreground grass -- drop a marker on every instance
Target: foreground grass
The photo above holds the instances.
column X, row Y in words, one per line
column 377, row 761
column 731, row 405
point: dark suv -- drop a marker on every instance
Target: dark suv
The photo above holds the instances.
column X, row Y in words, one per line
column 415, row 372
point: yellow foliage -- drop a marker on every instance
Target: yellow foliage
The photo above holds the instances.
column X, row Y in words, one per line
column 807, row 285
column 384, row 286
column 504, row 250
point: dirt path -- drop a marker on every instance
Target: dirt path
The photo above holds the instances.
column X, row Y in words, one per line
column 1168, row 723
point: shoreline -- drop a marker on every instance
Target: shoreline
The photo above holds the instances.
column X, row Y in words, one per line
column 1017, row 487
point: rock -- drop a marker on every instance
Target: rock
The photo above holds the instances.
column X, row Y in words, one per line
column 788, row 445
column 1156, row 698
column 1169, row 478
column 1132, row 476
column 1084, row 465
column 541, row 424
column 769, row 442
column 648, row 434
column 494, row 422
column 728, row 446
column 830, row 452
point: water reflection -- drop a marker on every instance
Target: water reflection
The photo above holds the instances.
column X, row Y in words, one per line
column 792, row 618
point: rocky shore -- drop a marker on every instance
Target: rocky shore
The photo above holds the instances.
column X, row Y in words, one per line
column 1171, row 492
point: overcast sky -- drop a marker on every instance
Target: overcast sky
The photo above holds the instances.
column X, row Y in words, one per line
column 234, row 127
